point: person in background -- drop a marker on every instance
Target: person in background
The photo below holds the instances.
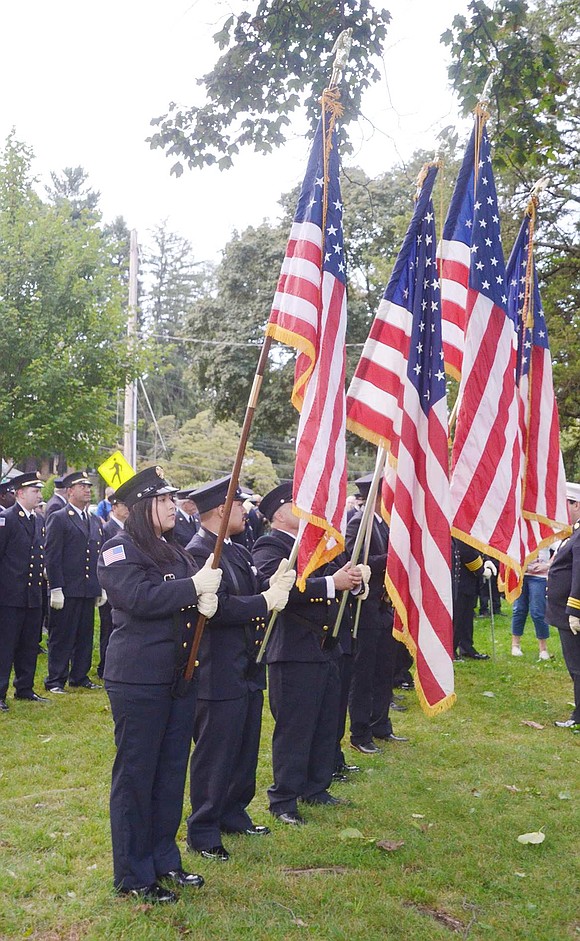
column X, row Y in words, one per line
column 155, row 593
column 114, row 525
column 21, row 565
column 468, row 565
column 563, row 608
column 104, row 506
column 532, row 600
column 186, row 518
column 58, row 499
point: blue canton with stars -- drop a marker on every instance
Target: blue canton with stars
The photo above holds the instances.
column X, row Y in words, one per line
column 414, row 285
column 536, row 334
column 310, row 203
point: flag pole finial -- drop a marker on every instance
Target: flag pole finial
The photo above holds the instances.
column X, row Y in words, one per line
column 341, row 49
column 485, row 95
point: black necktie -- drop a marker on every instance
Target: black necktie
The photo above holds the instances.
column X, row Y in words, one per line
column 85, row 518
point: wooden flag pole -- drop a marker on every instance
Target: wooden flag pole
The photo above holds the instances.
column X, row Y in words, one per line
column 192, row 661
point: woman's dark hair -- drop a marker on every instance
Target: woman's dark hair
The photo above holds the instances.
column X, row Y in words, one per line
column 139, row 525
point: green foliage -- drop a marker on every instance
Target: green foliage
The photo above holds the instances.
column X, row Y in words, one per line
column 62, row 342
column 203, row 449
column 275, row 57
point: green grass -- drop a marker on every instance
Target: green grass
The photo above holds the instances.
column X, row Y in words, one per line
column 460, row 873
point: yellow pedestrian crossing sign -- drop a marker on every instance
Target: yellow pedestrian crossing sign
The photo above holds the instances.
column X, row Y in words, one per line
column 116, row 470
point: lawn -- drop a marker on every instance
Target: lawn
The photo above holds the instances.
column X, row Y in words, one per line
column 456, row 797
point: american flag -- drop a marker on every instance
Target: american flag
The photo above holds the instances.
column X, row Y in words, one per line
column 485, row 476
column 309, row 313
column 398, row 396
column 544, row 505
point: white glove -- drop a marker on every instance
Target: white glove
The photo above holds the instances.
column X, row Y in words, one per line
column 207, row 579
column 284, row 577
column 100, row 599
column 489, row 569
column 574, row 623
column 207, row 604
column 276, row 597
column 56, row 598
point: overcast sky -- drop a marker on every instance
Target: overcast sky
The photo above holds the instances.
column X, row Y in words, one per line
column 80, row 83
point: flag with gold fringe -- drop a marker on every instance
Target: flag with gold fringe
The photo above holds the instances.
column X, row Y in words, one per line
column 309, row 313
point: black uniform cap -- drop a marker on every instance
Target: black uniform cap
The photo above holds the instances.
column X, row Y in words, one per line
column 276, row 498
column 213, row 494
column 77, row 477
column 6, row 487
column 184, row 494
column 26, row 480
column 364, row 485
column 59, row 483
column 147, row 483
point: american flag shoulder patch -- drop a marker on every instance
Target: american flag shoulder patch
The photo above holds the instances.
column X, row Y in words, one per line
column 2, row 521
column 114, row 554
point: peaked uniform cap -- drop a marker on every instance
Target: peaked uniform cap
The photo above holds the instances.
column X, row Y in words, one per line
column 147, row 483
column 573, row 492
column 276, row 498
column 213, row 494
column 26, row 480
column 77, row 477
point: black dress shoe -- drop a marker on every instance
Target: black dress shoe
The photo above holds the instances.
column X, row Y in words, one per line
column 473, row 655
column 339, row 778
column 407, row 684
column 398, row 708
column 323, row 800
column 31, row 697
column 3, row 706
column 42, row 649
column 218, row 852
column 183, row 878
column 256, row 830
column 349, row 769
column 56, row 689
column 391, row 737
column 291, row 817
column 87, row 684
column 151, row 893
column 365, row 748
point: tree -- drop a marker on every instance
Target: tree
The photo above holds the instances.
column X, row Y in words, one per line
column 174, row 280
column 62, row 328
column 274, row 59
column 71, row 190
column 203, row 449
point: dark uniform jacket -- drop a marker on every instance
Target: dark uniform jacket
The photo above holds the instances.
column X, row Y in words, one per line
column 154, row 613
column 231, row 639
column 111, row 528
column 21, row 559
column 467, row 567
column 184, row 530
column 55, row 503
column 564, row 582
column 72, row 552
column 377, row 612
column 309, row 615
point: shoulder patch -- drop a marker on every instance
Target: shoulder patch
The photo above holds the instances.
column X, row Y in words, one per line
column 114, row 554
column 2, row 521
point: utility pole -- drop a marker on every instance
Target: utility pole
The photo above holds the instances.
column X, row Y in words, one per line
column 130, row 416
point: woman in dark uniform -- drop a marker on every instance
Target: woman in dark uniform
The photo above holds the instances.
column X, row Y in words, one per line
column 155, row 593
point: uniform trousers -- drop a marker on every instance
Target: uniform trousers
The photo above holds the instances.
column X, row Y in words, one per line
column 463, row 604
column 19, row 629
column 223, row 767
column 304, row 701
column 153, row 737
column 345, row 665
column 70, row 642
column 571, row 651
column 371, row 688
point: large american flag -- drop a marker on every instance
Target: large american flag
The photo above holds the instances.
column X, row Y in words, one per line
column 486, row 456
column 544, row 505
column 398, row 397
column 309, row 313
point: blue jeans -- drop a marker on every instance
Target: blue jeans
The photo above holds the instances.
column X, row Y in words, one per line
column 532, row 599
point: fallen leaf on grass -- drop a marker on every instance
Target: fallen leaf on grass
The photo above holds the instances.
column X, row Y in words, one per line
column 521, row 875
column 489, row 694
column 351, row 833
column 475, row 792
column 454, row 924
column 532, row 725
column 389, row 846
column 565, row 796
column 535, row 837
column 418, row 816
column 45, row 740
column 512, row 788
column 299, row 922
column 313, row 870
